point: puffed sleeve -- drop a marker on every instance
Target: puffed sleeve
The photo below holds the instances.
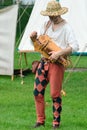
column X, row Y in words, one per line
column 71, row 39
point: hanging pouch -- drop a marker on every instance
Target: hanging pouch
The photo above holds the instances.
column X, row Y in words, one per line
column 35, row 66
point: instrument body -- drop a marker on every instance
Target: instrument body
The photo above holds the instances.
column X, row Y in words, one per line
column 44, row 44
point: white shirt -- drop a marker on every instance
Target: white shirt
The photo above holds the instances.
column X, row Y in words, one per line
column 63, row 36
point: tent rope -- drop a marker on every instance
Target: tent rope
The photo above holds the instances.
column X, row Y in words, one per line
column 72, row 69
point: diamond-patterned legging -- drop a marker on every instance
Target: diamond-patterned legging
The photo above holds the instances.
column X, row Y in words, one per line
column 52, row 73
column 57, row 110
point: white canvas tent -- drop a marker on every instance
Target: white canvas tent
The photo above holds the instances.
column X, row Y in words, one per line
column 35, row 22
column 77, row 16
column 8, row 21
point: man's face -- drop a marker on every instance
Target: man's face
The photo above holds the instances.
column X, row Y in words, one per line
column 54, row 18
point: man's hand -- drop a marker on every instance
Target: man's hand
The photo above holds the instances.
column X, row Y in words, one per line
column 54, row 55
column 33, row 36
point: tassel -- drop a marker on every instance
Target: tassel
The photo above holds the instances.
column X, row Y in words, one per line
column 63, row 92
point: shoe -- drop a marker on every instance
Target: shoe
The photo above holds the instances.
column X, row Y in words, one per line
column 55, row 126
column 38, row 124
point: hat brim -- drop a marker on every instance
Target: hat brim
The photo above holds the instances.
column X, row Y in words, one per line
column 62, row 11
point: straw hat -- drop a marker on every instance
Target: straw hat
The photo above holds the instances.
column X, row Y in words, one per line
column 54, row 9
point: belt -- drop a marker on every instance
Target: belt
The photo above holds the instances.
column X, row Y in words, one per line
column 45, row 60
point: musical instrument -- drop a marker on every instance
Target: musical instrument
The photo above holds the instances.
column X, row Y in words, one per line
column 44, row 44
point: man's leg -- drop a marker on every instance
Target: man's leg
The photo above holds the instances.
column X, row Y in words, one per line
column 55, row 75
column 39, row 90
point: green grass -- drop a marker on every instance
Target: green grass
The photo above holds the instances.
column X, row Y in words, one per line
column 80, row 61
column 17, row 108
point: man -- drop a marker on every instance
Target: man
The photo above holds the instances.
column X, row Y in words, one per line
column 62, row 34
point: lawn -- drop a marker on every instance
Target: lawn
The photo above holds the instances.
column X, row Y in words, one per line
column 17, row 109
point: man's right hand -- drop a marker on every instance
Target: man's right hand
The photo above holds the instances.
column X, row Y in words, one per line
column 33, row 36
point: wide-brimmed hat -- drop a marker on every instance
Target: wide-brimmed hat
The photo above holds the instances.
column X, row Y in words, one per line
column 54, row 9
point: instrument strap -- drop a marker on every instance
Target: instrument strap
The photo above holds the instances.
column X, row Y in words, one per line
column 47, row 26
